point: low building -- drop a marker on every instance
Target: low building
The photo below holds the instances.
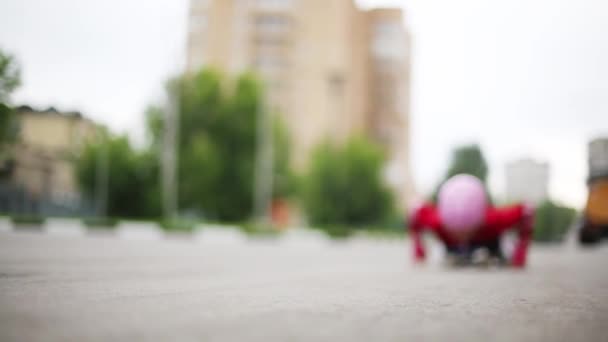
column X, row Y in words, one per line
column 43, row 155
column 527, row 180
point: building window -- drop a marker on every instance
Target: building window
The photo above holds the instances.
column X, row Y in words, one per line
column 264, row 42
column 271, row 23
column 389, row 41
column 197, row 57
column 266, row 62
column 198, row 22
column 200, row 4
column 275, row 4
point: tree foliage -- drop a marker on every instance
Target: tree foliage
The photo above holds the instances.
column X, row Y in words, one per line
column 9, row 80
column 467, row 159
column 133, row 189
column 217, row 144
column 344, row 186
column 284, row 182
column 10, row 76
column 216, row 152
column 7, row 124
column 552, row 221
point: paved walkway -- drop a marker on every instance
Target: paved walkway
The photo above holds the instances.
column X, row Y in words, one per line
column 55, row 288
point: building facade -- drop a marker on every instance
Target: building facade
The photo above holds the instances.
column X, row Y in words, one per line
column 331, row 69
column 45, row 151
column 527, row 180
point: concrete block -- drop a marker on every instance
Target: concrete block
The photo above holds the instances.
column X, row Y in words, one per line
column 219, row 235
column 64, row 227
column 136, row 230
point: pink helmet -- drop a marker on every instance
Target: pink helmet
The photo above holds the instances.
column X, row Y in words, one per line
column 462, row 203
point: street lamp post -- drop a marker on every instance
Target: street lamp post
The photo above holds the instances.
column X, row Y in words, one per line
column 103, row 175
column 169, row 155
column 263, row 162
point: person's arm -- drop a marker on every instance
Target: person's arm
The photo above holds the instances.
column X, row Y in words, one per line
column 524, row 230
column 420, row 218
column 419, row 251
column 518, row 217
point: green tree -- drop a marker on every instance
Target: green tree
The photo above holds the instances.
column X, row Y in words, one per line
column 7, row 125
column 10, row 76
column 466, row 159
column 133, row 187
column 217, row 143
column 470, row 160
column 284, row 182
column 9, row 80
column 552, row 221
column 344, row 185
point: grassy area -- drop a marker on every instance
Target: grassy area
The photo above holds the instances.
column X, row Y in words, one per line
column 258, row 230
column 250, row 228
column 27, row 220
column 336, row 231
column 100, row 222
column 384, row 233
column 343, row 232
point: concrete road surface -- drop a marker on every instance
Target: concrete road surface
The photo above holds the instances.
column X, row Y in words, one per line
column 104, row 289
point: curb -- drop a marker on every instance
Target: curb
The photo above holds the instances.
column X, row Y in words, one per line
column 131, row 230
column 219, row 235
column 64, row 227
column 205, row 234
column 6, row 225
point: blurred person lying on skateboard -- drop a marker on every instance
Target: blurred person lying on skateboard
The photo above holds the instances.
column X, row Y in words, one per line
column 466, row 224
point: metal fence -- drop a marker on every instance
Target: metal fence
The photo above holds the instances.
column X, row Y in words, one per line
column 15, row 200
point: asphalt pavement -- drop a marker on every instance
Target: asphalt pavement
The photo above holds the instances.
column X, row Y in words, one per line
column 82, row 288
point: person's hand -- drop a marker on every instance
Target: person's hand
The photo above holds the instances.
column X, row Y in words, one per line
column 529, row 210
column 413, row 208
column 520, row 254
column 419, row 254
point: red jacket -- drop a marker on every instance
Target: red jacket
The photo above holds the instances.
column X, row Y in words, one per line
column 497, row 222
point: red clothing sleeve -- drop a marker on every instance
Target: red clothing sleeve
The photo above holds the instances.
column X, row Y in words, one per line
column 517, row 217
column 423, row 218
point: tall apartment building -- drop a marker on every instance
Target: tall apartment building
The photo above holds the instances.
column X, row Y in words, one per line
column 527, row 180
column 330, row 69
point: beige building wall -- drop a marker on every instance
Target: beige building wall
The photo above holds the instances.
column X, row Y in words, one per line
column 527, row 180
column 44, row 154
column 329, row 74
column 389, row 120
column 323, row 65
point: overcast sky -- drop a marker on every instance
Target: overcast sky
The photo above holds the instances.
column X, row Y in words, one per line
column 525, row 78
